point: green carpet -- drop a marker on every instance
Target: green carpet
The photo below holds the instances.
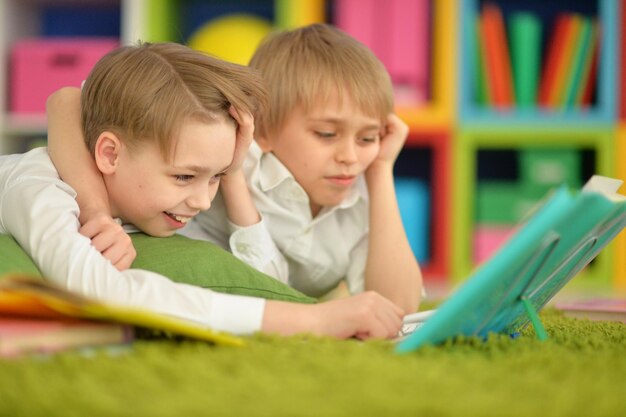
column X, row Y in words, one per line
column 579, row 371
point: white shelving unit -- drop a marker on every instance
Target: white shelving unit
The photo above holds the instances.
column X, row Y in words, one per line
column 21, row 19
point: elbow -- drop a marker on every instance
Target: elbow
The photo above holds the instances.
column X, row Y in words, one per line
column 60, row 98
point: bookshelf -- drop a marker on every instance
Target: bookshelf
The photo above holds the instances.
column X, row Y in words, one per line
column 586, row 134
column 452, row 133
column 602, row 111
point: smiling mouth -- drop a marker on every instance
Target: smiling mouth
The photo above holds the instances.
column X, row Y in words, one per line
column 180, row 219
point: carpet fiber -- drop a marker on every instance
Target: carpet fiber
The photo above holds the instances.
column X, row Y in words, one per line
column 579, row 371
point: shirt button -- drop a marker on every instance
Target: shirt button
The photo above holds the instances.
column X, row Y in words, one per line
column 242, row 247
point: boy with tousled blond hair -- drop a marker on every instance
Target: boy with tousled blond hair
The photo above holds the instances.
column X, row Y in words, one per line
column 163, row 124
column 321, row 176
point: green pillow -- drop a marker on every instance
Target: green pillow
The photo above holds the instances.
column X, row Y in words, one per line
column 14, row 260
column 183, row 260
column 206, row 265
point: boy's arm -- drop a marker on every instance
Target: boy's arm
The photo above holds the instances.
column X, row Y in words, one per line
column 40, row 212
column 391, row 267
column 250, row 240
column 366, row 315
column 75, row 165
column 240, row 207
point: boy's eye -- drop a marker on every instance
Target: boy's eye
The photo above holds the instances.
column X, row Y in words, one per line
column 325, row 135
column 215, row 178
column 370, row 139
column 183, row 178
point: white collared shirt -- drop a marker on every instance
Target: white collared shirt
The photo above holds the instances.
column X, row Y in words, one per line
column 40, row 212
column 311, row 254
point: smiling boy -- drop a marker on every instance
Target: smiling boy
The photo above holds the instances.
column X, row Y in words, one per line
column 163, row 124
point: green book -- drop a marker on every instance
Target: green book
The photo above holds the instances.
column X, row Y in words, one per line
column 505, row 293
column 525, row 34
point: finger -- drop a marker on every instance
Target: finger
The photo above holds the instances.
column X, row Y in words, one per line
column 376, row 330
column 390, row 316
column 91, row 228
column 125, row 261
column 105, row 240
column 115, row 253
column 391, row 322
column 234, row 113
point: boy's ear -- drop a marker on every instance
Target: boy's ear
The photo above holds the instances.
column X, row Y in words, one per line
column 107, row 152
column 264, row 143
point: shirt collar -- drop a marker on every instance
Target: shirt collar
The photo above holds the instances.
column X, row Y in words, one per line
column 273, row 172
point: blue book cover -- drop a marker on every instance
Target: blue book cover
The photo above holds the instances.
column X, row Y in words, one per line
column 545, row 253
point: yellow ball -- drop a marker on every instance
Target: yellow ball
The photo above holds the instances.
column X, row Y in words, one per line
column 233, row 37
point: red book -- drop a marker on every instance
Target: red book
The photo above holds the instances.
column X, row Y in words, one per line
column 553, row 57
column 497, row 58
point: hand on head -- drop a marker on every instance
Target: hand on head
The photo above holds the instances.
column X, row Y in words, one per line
column 392, row 140
column 245, row 134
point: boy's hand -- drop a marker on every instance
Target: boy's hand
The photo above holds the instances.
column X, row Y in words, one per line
column 245, row 134
column 110, row 239
column 392, row 140
column 365, row 316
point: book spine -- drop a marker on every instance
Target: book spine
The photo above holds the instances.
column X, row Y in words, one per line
column 525, row 57
column 483, row 95
column 578, row 65
column 563, row 69
column 589, row 78
column 551, row 60
column 497, row 57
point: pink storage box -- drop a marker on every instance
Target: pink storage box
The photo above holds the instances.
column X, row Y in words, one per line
column 488, row 239
column 42, row 66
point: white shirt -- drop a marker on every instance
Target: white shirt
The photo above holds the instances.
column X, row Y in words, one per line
column 311, row 254
column 40, row 212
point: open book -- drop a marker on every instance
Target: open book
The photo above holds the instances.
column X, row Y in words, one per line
column 26, row 297
column 505, row 293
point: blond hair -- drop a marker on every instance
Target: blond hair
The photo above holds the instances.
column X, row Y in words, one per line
column 308, row 65
column 145, row 92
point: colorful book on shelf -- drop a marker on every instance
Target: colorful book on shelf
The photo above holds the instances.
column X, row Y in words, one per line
column 577, row 68
column 525, row 57
column 507, row 291
column 20, row 335
column 595, row 309
column 574, row 27
column 23, row 296
column 552, row 59
column 483, row 95
column 589, row 78
column 497, row 58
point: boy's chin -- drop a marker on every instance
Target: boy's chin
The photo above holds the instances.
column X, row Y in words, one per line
column 159, row 233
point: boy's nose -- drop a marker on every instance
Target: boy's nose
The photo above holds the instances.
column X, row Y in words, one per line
column 346, row 152
column 200, row 200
